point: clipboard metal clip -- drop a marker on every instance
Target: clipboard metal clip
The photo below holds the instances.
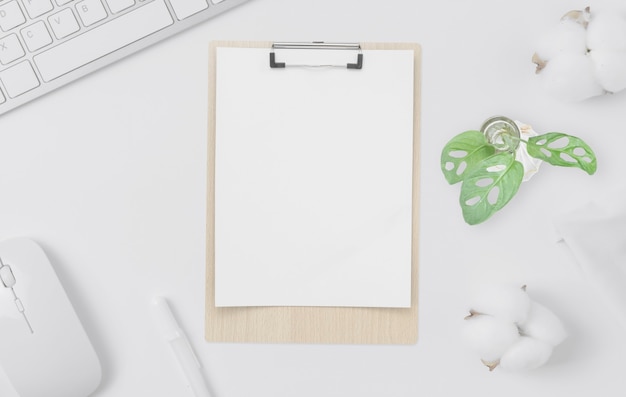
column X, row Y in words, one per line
column 317, row 45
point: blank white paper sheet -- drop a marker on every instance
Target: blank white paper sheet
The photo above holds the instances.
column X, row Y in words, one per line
column 313, row 181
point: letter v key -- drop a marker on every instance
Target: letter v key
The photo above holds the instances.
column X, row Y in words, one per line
column 63, row 23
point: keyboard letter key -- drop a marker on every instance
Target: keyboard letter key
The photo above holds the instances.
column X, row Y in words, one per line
column 103, row 40
column 19, row 79
column 10, row 49
column 91, row 11
column 63, row 23
column 186, row 8
column 119, row 5
column 36, row 36
column 35, row 8
column 11, row 15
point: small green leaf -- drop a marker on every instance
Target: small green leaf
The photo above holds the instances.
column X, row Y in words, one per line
column 490, row 187
column 463, row 153
column 563, row 150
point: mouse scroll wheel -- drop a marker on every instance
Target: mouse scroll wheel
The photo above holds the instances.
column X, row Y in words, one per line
column 6, row 276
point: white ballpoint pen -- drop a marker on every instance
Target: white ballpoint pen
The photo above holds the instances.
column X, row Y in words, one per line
column 175, row 337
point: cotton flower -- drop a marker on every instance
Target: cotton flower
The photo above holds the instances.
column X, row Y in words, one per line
column 584, row 55
column 510, row 331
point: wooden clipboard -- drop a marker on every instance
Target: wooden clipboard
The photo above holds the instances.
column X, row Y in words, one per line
column 332, row 325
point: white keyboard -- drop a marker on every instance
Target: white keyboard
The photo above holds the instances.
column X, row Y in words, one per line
column 47, row 43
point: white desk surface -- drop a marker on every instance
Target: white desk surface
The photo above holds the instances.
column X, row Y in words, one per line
column 108, row 175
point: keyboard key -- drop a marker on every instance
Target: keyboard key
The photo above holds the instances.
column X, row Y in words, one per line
column 63, row 23
column 35, row 8
column 19, row 79
column 186, row 8
column 90, row 11
column 36, row 36
column 103, row 40
column 11, row 15
column 62, row 2
column 2, row 98
column 119, row 5
column 10, row 49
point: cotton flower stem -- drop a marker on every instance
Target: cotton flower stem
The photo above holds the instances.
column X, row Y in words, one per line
column 539, row 62
column 579, row 16
column 490, row 364
column 473, row 313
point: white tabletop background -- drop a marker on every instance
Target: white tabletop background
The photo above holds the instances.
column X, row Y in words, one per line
column 109, row 175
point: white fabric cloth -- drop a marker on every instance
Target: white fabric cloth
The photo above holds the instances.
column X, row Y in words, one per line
column 596, row 235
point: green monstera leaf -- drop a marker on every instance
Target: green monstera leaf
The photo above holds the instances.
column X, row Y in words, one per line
column 463, row 153
column 485, row 162
column 490, row 187
column 563, row 150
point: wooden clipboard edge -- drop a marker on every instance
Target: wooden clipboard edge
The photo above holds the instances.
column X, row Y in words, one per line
column 334, row 325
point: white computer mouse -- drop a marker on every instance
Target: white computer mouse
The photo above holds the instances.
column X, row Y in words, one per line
column 44, row 349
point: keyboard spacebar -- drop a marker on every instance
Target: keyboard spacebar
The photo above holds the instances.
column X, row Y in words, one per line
column 103, row 40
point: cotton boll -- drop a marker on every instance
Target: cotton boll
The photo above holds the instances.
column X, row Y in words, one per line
column 492, row 332
column 568, row 36
column 543, row 325
column 505, row 302
column 570, row 77
column 584, row 55
column 489, row 336
column 526, row 353
column 606, row 30
column 610, row 69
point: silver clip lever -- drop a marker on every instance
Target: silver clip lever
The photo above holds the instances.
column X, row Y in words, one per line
column 317, row 45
